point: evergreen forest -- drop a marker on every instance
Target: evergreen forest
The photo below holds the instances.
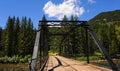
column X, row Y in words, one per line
column 17, row 40
column 18, row 37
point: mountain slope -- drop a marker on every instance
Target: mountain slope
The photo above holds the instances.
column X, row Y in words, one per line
column 110, row 16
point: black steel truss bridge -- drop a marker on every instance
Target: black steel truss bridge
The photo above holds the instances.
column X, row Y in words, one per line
column 41, row 42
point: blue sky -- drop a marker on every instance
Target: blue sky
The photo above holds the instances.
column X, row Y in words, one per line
column 35, row 9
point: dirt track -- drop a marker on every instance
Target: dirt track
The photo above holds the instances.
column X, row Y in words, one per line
column 58, row 63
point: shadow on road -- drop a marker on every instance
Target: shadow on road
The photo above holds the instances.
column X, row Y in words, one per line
column 59, row 64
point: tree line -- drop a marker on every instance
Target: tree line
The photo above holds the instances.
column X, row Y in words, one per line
column 74, row 43
column 71, row 44
column 19, row 35
column 108, row 33
column 17, row 38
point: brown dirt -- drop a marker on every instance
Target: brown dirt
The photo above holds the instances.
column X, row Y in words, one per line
column 59, row 63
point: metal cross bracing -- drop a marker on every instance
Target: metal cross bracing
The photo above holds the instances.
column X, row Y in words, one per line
column 42, row 42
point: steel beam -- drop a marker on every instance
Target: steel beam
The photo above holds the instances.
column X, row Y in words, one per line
column 87, row 49
column 102, row 49
column 35, row 52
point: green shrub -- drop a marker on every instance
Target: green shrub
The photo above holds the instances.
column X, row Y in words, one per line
column 81, row 58
column 26, row 58
column 15, row 59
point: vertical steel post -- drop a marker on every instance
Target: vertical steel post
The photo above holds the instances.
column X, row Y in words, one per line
column 60, row 50
column 40, row 52
column 46, row 42
column 35, row 51
column 41, row 45
column 87, row 49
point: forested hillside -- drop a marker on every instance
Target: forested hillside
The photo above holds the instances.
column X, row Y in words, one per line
column 110, row 16
column 107, row 27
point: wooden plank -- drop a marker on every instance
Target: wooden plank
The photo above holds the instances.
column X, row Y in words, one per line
column 71, row 65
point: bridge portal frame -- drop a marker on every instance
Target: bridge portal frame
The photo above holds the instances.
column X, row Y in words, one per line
column 78, row 24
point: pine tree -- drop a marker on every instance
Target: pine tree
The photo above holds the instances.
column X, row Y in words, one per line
column 16, row 35
column 9, row 37
column 22, row 37
column 1, row 39
column 43, row 36
column 112, row 40
column 64, row 39
column 64, row 20
column 117, row 33
column 72, row 36
column 30, row 37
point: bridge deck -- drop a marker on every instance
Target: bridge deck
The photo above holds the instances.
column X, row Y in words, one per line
column 58, row 63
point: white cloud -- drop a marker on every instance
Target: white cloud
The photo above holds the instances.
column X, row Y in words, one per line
column 91, row 1
column 67, row 7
